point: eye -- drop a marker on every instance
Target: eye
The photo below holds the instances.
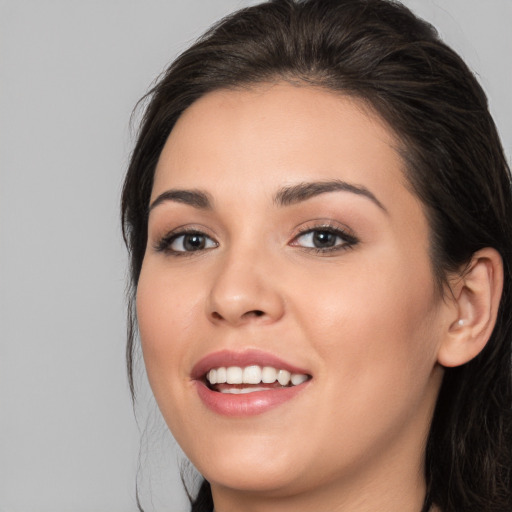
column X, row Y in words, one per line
column 324, row 239
column 185, row 242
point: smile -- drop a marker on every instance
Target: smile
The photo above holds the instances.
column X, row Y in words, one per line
column 247, row 383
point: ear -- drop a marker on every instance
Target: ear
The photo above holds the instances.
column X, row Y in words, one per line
column 476, row 296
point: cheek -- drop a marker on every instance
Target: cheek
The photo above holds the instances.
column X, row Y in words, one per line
column 374, row 336
column 166, row 305
column 376, row 324
column 167, row 313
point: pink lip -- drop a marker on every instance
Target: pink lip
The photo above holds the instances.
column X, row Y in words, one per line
column 248, row 404
column 248, row 357
column 243, row 404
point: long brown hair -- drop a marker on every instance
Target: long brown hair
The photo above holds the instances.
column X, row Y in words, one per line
column 379, row 51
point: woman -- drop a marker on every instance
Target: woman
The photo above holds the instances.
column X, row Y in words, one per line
column 318, row 213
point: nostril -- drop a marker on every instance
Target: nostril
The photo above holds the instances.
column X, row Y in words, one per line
column 255, row 312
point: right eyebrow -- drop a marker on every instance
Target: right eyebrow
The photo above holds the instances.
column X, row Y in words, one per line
column 196, row 198
column 302, row 191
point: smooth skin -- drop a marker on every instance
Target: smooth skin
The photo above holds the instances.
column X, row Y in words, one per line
column 357, row 307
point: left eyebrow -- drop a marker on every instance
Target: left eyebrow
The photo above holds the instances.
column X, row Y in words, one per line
column 195, row 198
column 293, row 194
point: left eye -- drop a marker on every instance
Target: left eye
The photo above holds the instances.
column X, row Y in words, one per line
column 323, row 239
column 190, row 242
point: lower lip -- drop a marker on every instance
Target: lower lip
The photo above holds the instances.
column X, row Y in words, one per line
column 248, row 404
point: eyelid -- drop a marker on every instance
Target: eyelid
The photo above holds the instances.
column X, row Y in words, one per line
column 338, row 229
column 163, row 243
column 319, row 224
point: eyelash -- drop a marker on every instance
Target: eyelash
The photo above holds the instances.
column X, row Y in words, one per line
column 348, row 240
column 164, row 244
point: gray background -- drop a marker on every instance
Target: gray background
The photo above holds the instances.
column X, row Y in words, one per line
column 70, row 73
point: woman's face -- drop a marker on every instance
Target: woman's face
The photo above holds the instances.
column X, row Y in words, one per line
column 283, row 239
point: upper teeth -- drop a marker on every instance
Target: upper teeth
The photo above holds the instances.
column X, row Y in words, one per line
column 254, row 375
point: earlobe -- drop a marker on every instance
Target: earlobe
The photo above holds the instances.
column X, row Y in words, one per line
column 476, row 298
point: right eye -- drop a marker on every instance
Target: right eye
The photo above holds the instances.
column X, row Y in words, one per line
column 186, row 242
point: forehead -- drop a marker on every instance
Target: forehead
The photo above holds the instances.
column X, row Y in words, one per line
column 277, row 134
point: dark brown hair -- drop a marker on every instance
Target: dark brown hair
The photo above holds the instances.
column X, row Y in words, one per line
column 379, row 51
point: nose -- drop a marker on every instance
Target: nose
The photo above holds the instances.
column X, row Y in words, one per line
column 244, row 291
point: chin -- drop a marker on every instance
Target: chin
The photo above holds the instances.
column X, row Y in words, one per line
column 255, row 480
column 251, row 470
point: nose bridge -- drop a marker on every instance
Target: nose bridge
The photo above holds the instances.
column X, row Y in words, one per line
column 243, row 289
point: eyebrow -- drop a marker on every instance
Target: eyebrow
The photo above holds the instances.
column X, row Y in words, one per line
column 303, row 191
column 195, row 198
column 286, row 196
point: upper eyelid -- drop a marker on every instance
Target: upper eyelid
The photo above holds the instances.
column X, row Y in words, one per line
column 184, row 229
column 338, row 232
column 178, row 234
column 322, row 225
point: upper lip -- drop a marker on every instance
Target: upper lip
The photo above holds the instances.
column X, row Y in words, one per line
column 228, row 358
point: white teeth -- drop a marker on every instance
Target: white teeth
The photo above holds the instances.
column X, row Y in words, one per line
column 221, row 375
column 283, row 377
column 253, row 374
column 296, row 378
column 268, row 375
column 234, row 375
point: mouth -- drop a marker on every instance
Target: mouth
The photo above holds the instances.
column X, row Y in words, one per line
column 247, row 383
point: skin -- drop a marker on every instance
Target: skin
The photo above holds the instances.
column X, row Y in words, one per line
column 365, row 320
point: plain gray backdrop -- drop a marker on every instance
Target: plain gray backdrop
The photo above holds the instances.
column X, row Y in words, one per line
column 70, row 73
